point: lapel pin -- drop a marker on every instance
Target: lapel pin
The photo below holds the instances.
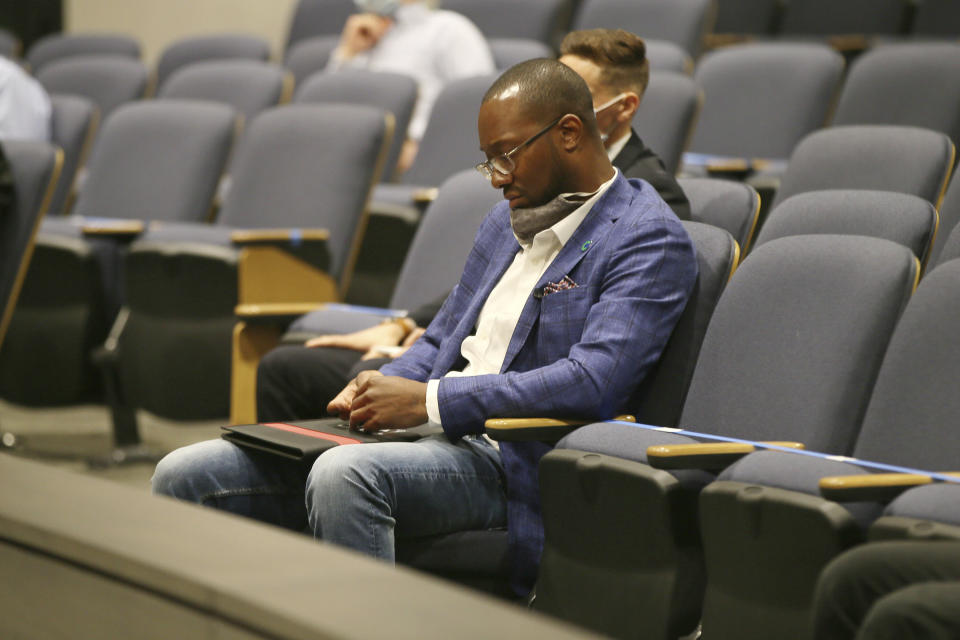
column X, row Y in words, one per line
column 586, row 245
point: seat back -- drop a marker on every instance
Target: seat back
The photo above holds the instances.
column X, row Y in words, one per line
column 949, row 219
column 108, row 81
column 879, row 157
column 310, row 56
column 310, row 166
column 796, row 340
column 392, row 92
column 158, row 161
column 246, row 85
column 668, row 115
column 449, row 143
column 34, row 169
column 9, row 44
column 213, row 47
column 73, row 124
column 743, row 117
column 510, row 51
column 533, row 19
column 668, row 56
column 443, row 239
column 318, row 18
column 826, row 17
column 684, row 22
column 912, row 416
column 951, row 248
column 914, row 84
column 899, row 217
column 747, row 16
column 732, row 206
column 63, row 45
column 661, row 395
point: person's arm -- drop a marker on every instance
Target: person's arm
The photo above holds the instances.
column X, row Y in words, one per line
column 361, row 33
column 462, row 50
column 388, row 332
column 643, row 292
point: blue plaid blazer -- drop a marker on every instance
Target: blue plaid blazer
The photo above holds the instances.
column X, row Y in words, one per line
column 576, row 352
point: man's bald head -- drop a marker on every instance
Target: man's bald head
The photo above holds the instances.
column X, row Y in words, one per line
column 545, row 89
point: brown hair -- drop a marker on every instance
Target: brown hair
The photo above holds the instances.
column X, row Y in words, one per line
column 621, row 56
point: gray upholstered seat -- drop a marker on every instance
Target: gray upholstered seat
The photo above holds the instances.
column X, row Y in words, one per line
column 392, row 92
column 684, row 22
column 248, row 86
column 317, row 18
column 73, row 124
column 755, row 17
column 68, row 45
column 951, row 248
column 842, row 17
column 882, row 157
column 730, row 205
column 534, row 19
column 298, row 168
column 434, row 261
column 510, row 51
column 479, row 558
column 668, row 114
column 108, row 80
column 668, row 56
column 910, row 421
column 749, row 111
column 9, row 44
column 35, row 168
column 211, row 47
column 903, row 218
column 154, row 161
column 949, row 219
column 790, row 353
column 914, row 84
column 310, row 56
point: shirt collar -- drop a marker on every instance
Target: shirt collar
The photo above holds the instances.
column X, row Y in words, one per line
column 615, row 148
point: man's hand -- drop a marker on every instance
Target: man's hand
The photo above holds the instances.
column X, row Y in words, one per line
column 380, row 352
column 383, row 402
column 361, row 33
column 389, row 333
column 344, row 401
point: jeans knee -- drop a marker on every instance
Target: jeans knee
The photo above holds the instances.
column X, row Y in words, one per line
column 169, row 474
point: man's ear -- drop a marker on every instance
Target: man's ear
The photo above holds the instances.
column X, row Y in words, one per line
column 629, row 105
column 571, row 131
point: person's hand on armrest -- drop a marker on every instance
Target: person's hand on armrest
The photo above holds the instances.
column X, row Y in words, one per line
column 391, row 332
column 388, row 351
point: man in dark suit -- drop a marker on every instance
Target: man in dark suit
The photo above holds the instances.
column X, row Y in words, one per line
column 296, row 383
column 571, row 290
column 614, row 64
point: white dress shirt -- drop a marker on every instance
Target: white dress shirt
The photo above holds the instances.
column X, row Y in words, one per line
column 432, row 46
column 485, row 350
column 24, row 105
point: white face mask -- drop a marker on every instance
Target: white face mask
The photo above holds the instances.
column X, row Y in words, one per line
column 606, row 105
column 380, row 7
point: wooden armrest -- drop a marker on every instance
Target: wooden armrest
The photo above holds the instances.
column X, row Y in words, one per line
column 425, row 195
column 246, row 236
column 875, row 487
column 112, row 227
column 706, row 455
column 275, row 311
column 849, row 42
column 268, row 275
column 536, row 429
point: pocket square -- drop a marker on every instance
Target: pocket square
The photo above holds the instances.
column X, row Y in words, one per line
column 563, row 285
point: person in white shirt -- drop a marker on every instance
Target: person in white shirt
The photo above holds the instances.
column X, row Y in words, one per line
column 409, row 37
column 24, row 105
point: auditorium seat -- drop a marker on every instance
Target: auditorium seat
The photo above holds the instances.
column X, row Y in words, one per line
column 108, row 80
column 668, row 56
column 73, row 126
column 667, row 116
column 768, row 506
column 10, row 45
column 317, row 18
column 67, row 45
column 732, row 206
column 540, row 20
column 248, row 86
column 288, row 230
column 684, row 22
column 622, row 547
column 154, row 161
column 209, row 47
column 310, row 56
column 510, row 51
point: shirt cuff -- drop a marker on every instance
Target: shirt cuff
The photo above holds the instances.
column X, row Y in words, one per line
column 433, row 404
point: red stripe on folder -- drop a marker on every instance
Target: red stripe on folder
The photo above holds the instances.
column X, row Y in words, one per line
column 313, row 434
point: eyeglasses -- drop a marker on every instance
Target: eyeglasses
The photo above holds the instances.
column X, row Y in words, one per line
column 609, row 103
column 504, row 164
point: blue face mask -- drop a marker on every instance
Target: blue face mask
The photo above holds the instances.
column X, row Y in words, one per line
column 380, row 7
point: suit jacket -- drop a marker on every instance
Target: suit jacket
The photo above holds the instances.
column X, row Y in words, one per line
column 636, row 160
column 576, row 352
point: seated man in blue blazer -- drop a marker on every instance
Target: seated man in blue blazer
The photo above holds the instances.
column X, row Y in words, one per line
column 566, row 301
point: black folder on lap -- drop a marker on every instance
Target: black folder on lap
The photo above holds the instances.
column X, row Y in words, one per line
column 305, row 440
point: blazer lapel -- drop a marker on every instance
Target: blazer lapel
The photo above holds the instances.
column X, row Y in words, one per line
column 588, row 235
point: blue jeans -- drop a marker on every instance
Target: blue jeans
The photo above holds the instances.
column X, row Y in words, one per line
column 357, row 496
